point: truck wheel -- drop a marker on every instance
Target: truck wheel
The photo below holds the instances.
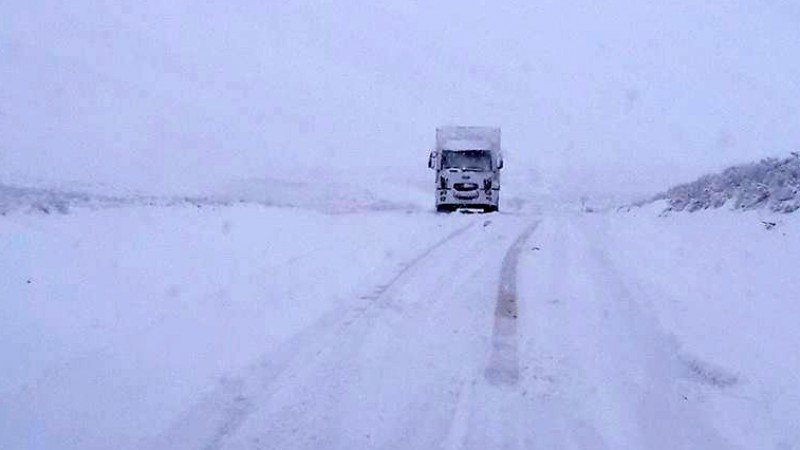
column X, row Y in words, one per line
column 445, row 208
column 490, row 209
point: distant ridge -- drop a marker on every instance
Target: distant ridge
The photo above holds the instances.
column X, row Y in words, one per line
column 31, row 199
column 336, row 197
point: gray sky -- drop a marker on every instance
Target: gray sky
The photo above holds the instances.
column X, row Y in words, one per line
column 188, row 94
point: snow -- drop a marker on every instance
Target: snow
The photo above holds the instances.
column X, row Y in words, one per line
column 468, row 138
column 115, row 320
column 772, row 183
column 652, row 332
column 463, row 144
column 216, row 226
column 250, row 326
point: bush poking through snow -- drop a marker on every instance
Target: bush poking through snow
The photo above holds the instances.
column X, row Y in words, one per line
column 772, row 183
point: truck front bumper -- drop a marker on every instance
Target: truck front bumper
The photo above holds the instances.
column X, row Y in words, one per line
column 478, row 198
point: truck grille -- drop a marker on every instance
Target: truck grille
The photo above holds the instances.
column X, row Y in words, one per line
column 465, row 186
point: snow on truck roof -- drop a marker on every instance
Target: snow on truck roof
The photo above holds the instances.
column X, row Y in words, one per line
column 462, row 144
column 468, row 138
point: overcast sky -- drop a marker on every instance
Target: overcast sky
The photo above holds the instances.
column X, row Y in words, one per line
column 180, row 95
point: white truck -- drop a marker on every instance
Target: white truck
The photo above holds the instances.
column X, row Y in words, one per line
column 467, row 161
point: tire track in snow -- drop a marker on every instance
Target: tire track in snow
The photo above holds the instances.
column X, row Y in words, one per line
column 489, row 412
column 419, row 258
column 655, row 372
column 503, row 366
column 350, row 378
column 216, row 417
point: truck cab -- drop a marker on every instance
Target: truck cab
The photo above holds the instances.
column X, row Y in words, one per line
column 467, row 162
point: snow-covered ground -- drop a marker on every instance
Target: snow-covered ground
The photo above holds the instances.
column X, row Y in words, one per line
column 115, row 320
column 250, row 326
column 663, row 332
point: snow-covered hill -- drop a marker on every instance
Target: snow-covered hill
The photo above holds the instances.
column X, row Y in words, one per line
column 770, row 183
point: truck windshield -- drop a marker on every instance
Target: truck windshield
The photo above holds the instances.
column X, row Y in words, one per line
column 477, row 160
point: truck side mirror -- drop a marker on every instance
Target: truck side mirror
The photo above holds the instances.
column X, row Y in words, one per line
column 432, row 160
column 500, row 163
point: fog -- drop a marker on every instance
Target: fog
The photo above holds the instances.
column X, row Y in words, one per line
column 609, row 96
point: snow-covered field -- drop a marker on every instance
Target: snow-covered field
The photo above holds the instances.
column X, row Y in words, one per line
column 259, row 327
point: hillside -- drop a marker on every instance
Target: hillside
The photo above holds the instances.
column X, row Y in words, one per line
column 770, row 183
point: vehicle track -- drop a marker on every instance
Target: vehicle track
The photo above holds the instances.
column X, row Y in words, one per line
column 490, row 409
column 219, row 414
column 503, row 367
column 406, row 368
column 661, row 406
column 603, row 372
column 393, row 380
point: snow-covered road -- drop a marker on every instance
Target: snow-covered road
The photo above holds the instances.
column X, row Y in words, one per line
column 398, row 370
column 272, row 328
column 606, row 374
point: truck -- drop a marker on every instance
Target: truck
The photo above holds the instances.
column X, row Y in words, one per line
column 467, row 161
